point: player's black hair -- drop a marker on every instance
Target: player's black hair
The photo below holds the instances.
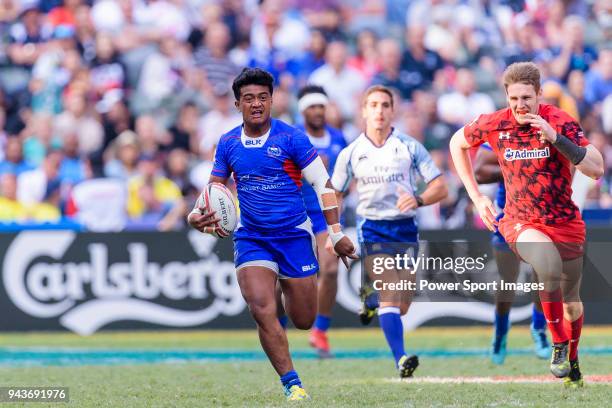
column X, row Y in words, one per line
column 252, row 76
column 308, row 89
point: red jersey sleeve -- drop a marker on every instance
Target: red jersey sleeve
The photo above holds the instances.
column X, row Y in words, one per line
column 567, row 126
column 476, row 132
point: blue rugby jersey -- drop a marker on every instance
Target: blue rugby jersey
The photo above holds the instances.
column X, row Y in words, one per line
column 267, row 172
column 328, row 147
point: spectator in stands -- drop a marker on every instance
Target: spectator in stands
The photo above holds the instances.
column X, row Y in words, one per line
column 177, row 170
column 212, row 56
column 573, row 53
column 526, row 46
column 161, row 78
column 77, row 118
column 342, row 83
column 11, row 210
column 366, row 60
column 576, row 89
column 437, row 132
column 598, row 81
column 154, row 201
column 28, row 36
column 48, row 209
column 107, row 71
column 122, row 157
column 553, row 94
column 554, row 32
column 220, row 119
column 322, row 15
column 184, row 133
column 116, row 116
column 419, row 64
column 13, row 162
column 64, row 14
column 390, row 75
column 464, row 104
column 39, row 138
column 32, row 185
column 310, row 60
column 73, row 167
column 150, row 135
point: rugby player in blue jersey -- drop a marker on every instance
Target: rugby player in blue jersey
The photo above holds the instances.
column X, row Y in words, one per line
column 487, row 170
column 274, row 241
column 329, row 141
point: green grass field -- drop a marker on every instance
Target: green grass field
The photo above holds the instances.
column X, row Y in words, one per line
column 337, row 382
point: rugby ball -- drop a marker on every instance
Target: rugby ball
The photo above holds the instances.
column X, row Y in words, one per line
column 218, row 198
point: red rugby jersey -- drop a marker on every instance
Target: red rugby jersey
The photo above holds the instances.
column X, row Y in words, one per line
column 537, row 176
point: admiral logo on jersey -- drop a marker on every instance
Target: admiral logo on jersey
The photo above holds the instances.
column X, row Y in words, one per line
column 526, row 154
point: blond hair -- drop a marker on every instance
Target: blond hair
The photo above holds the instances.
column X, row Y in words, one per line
column 524, row 73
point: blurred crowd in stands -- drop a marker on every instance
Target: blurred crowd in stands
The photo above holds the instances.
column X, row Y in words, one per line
column 110, row 110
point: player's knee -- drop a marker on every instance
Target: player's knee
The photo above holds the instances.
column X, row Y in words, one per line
column 261, row 310
column 403, row 308
column 303, row 322
column 573, row 310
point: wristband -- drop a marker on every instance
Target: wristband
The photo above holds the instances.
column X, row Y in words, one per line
column 569, row 149
column 335, row 233
column 419, row 200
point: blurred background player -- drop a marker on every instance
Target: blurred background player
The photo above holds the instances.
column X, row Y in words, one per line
column 487, row 170
column 328, row 142
column 385, row 164
column 274, row 240
column 536, row 144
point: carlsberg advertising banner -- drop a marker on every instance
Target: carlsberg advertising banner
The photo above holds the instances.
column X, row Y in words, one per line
column 85, row 282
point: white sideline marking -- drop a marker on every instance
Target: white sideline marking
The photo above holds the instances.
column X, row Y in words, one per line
column 497, row 380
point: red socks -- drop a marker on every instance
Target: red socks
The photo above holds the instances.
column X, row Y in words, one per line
column 573, row 330
column 552, row 306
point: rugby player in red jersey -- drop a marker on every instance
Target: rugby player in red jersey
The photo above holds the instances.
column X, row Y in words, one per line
column 536, row 145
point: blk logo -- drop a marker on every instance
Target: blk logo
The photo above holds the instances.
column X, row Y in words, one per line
column 253, row 142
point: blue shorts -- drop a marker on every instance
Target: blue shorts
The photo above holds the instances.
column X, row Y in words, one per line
column 497, row 239
column 317, row 218
column 388, row 236
column 290, row 253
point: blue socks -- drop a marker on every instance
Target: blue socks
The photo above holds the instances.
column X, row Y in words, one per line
column 538, row 321
column 391, row 324
column 501, row 324
column 283, row 320
column 322, row 322
column 290, row 379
